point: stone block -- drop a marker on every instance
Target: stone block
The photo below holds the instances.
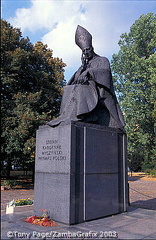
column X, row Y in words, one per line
column 80, row 172
column 101, row 151
column 53, row 194
column 101, row 195
column 53, row 150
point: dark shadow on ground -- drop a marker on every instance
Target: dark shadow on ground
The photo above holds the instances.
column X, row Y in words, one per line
column 26, row 185
column 148, row 204
column 134, row 178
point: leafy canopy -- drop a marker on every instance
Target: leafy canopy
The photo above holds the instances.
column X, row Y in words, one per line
column 32, row 82
column 134, row 72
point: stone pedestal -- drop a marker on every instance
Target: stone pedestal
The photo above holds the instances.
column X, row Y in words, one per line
column 80, row 172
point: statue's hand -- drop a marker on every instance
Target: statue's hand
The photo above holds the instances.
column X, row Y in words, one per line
column 84, row 61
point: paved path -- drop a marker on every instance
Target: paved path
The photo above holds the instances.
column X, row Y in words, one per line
column 135, row 224
column 143, row 194
column 9, row 195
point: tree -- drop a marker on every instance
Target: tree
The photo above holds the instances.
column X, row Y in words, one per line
column 134, row 76
column 32, row 82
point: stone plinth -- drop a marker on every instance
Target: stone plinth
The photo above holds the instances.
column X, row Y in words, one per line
column 80, row 172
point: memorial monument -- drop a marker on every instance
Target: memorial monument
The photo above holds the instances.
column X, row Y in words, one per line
column 80, row 169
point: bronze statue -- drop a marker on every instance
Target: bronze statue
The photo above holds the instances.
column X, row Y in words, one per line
column 89, row 95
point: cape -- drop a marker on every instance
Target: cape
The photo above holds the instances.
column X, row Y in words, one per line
column 95, row 100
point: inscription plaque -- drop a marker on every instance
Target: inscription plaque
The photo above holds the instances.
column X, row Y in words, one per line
column 52, row 151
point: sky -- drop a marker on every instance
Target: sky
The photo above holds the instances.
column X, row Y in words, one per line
column 54, row 22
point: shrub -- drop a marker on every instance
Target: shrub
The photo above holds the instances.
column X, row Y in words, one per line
column 10, row 183
column 151, row 172
column 21, row 202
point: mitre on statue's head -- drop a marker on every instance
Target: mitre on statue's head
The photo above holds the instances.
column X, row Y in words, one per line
column 83, row 38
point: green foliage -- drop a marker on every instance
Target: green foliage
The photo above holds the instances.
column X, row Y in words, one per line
column 151, row 172
column 5, row 183
column 21, row 202
column 32, row 82
column 134, row 72
column 10, row 183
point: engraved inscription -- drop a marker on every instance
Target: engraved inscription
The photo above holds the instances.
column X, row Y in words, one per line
column 52, row 150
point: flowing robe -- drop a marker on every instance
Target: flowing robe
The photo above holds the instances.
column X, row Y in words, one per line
column 94, row 101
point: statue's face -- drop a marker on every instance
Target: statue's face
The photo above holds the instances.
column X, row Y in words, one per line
column 88, row 52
